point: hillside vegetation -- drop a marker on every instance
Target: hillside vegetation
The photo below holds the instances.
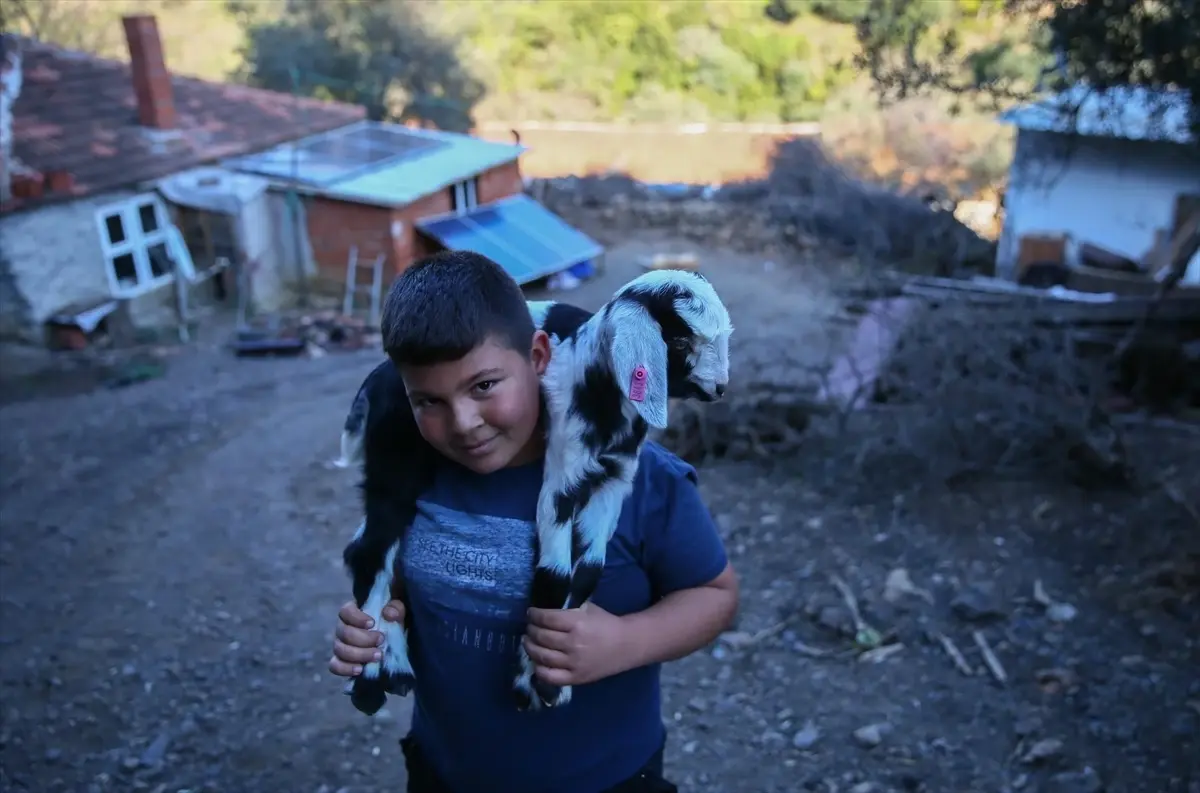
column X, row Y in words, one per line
column 691, row 60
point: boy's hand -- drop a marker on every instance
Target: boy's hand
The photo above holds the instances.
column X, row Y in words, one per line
column 575, row 646
column 354, row 643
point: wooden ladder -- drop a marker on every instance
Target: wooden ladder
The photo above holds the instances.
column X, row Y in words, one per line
column 374, row 290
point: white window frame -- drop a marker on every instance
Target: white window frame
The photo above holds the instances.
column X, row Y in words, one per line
column 466, row 196
column 138, row 243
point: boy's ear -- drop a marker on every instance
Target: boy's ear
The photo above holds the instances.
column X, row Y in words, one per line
column 540, row 352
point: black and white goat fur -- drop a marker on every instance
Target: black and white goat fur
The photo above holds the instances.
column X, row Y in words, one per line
column 663, row 335
column 381, row 434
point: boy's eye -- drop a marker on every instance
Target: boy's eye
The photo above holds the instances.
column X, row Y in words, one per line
column 484, row 386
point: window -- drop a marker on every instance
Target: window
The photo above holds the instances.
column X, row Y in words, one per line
column 141, row 247
column 463, row 197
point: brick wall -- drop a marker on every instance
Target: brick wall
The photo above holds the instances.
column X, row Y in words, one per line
column 500, row 182
column 334, row 227
column 417, row 245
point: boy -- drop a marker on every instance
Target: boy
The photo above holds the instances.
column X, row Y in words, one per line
column 457, row 327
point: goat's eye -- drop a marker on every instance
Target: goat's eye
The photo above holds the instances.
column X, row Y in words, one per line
column 680, row 344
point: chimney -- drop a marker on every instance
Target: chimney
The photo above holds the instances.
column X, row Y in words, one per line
column 151, row 80
column 10, row 89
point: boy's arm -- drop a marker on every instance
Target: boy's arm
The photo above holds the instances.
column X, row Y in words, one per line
column 682, row 622
column 696, row 593
column 688, row 570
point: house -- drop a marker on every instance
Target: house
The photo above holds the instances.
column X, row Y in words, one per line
column 127, row 189
column 82, row 222
column 1119, row 170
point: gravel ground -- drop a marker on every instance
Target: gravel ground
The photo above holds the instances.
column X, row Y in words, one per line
column 170, row 571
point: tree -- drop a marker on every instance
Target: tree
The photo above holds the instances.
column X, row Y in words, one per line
column 1102, row 44
column 375, row 53
column 63, row 24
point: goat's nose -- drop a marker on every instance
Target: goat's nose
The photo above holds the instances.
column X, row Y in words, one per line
column 720, row 390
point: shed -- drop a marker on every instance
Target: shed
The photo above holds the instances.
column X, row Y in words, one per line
column 402, row 193
column 1117, row 169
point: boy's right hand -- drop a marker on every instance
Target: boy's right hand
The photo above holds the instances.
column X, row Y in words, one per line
column 355, row 644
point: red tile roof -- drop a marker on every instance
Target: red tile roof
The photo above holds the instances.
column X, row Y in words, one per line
column 77, row 113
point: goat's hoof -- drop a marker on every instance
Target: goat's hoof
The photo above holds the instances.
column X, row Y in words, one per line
column 367, row 695
column 552, row 696
column 524, row 695
column 398, row 683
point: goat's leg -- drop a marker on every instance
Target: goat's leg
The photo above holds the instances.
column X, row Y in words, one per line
column 592, row 529
column 393, row 674
column 551, row 586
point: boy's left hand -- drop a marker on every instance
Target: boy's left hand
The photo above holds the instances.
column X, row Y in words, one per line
column 575, row 646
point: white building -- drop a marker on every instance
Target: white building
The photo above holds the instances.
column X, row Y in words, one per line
column 1109, row 169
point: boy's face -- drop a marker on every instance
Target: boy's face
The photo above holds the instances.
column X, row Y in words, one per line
column 481, row 411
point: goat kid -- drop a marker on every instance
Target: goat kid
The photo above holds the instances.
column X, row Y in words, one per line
column 381, row 434
column 663, row 335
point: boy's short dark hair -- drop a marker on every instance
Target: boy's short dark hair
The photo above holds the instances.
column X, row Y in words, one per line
column 447, row 304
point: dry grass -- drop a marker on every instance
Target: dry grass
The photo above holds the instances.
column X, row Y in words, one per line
column 710, row 157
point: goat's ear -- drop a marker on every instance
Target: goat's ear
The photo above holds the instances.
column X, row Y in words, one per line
column 639, row 355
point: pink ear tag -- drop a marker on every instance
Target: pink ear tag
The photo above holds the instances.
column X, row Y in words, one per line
column 637, row 384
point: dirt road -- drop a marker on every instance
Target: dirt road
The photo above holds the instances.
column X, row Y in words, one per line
column 169, row 572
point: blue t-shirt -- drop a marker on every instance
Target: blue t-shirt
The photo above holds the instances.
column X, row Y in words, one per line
column 469, row 563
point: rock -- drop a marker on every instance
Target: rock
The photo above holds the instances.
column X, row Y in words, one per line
column 836, row 619
column 156, row 751
column 977, row 604
column 1085, row 781
column 1061, row 612
column 900, row 585
column 771, row 737
column 870, row 736
column 1027, row 726
column 736, row 639
column 807, row 737
column 1043, row 751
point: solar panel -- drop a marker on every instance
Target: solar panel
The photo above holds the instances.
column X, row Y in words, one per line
column 338, row 155
column 546, row 227
column 519, row 234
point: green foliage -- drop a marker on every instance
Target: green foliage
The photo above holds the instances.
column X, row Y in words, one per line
column 1099, row 43
column 444, row 60
column 368, row 52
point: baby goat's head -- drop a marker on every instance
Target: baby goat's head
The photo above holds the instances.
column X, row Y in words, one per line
column 669, row 321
